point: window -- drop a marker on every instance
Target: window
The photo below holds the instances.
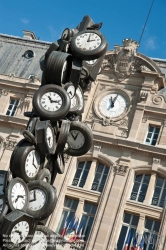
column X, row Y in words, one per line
column 100, row 177
column 128, row 230
column 70, row 206
column 12, row 107
column 29, row 54
column 152, row 135
column 87, row 218
column 159, row 193
column 81, row 174
column 150, row 234
column 140, row 187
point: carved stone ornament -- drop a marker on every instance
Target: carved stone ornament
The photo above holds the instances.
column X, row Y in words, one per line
column 11, row 76
column 143, row 95
column 120, row 169
column 157, row 99
column 144, row 119
column 107, row 121
column 124, row 123
column 9, row 144
column 156, row 161
column 5, row 92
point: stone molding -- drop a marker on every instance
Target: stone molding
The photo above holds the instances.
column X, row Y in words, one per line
column 4, row 92
column 120, row 169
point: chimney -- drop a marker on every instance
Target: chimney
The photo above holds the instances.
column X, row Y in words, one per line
column 29, row 35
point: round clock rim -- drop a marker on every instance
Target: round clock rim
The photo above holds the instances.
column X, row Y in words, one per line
column 9, row 193
column 121, row 92
column 90, row 54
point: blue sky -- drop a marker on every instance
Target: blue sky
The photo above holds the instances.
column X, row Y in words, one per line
column 121, row 19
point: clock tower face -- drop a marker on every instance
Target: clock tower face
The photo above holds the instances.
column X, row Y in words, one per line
column 112, row 105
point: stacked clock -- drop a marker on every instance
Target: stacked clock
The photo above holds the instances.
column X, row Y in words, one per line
column 54, row 128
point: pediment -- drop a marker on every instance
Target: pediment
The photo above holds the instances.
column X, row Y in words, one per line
column 125, row 60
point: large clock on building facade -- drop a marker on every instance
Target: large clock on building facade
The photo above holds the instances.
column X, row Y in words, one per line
column 113, row 104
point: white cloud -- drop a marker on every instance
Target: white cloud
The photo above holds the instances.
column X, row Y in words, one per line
column 150, row 43
column 24, row 20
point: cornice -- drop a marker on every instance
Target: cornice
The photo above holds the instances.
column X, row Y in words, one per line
column 77, row 192
column 138, row 207
column 13, row 121
column 127, row 145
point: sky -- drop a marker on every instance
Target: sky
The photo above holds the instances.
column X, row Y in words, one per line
column 121, row 19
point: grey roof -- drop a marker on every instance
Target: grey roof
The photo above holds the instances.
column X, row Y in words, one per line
column 161, row 63
column 12, row 59
column 163, row 93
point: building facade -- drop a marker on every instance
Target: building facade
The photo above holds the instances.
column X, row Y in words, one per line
column 118, row 188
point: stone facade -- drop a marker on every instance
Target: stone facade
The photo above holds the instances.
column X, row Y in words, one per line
column 119, row 142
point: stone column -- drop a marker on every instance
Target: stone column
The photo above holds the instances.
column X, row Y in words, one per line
column 80, row 208
column 150, row 190
column 91, row 175
column 140, row 226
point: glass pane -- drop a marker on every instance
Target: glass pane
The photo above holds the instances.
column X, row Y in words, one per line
column 136, row 187
column 62, row 221
column 8, row 112
column 146, row 179
column 157, row 130
column 153, row 142
column 127, row 218
column 159, row 182
column 149, row 135
column 12, row 101
column 88, row 164
column 97, row 177
column 94, row 208
column 151, row 129
column 81, row 164
column 84, row 176
column 156, row 226
column 106, row 170
column 157, row 192
column 67, row 202
column 78, row 173
column 100, row 168
column 138, row 178
column 75, row 204
column 87, row 207
column 155, row 136
column 121, row 239
column 135, row 220
column 148, row 224
column 88, row 227
column 147, row 140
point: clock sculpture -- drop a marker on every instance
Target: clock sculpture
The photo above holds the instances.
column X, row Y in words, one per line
column 54, row 128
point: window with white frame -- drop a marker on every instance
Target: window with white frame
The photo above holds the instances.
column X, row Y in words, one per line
column 81, row 173
column 100, row 177
column 140, row 187
column 128, row 230
column 151, row 234
column 87, row 219
column 12, row 107
column 152, row 135
column 70, row 206
column 159, row 196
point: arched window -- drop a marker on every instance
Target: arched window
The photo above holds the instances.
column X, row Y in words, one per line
column 81, row 173
column 140, row 187
column 100, row 177
column 159, row 196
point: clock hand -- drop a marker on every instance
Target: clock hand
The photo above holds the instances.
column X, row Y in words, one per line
column 32, row 244
column 89, row 40
column 111, row 104
column 35, row 194
column 34, row 197
column 115, row 98
column 75, row 137
column 72, row 135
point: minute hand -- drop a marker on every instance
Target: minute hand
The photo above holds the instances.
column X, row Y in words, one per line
column 115, row 99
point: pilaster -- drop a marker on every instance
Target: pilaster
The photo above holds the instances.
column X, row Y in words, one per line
column 91, row 175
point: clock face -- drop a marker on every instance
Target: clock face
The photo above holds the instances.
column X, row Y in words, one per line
column 88, row 41
column 71, row 91
column 49, row 137
column 76, row 139
column 19, row 232
column 112, row 105
column 39, row 241
column 37, row 199
column 18, row 196
column 51, row 101
column 91, row 62
column 32, row 163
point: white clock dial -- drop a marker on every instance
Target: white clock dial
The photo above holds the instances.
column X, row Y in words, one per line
column 39, row 241
column 18, row 196
column 88, row 41
column 76, row 139
column 49, row 137
column 112, row 105
column 1, row 205
column 80, row 95
column 73, row 102
column 71, row 91
column 51, row 101
column 32, row 163
column 91, row 62
column 37, row 199
column 19, row 232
